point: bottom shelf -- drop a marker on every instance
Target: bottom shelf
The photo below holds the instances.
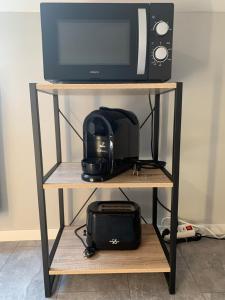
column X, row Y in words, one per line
column 148, row 258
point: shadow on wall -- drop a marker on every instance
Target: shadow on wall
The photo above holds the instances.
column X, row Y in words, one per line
column 191, row 57
column 192, row 36
column 165, row 149
column 70, row 193
column 3, row 188
column 73, row 110
column 214, row 143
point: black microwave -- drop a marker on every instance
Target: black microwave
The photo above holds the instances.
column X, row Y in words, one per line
column 116, row 42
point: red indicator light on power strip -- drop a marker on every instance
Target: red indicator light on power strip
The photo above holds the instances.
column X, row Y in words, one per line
column 189, row 227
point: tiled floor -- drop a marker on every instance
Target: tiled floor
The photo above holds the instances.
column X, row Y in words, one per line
column 200, row 276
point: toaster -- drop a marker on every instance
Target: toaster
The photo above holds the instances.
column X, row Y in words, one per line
column 113, row 225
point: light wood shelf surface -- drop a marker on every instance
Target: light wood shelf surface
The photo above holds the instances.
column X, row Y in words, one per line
column 79, row 88
column 68, row 175
column 148, row 258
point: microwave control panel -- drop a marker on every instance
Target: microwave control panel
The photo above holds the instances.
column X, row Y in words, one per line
column 160, row 41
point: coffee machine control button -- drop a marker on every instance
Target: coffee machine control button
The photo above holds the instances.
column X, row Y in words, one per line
column 160, row 53
column 161, row 28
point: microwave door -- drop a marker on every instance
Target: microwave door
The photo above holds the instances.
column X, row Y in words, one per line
column 142, row 41
column 85, row 42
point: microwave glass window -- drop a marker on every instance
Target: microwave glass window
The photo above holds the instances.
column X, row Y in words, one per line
column 94, row 42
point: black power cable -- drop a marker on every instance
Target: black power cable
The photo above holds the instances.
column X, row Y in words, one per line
column 146, row 119
column 88, row 251
column 146, row 164
column 79, row 237
column 166, row 208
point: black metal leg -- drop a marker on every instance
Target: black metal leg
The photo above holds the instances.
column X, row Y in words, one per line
column 175, row 189
column 156, row 128
column 58, row 155
column 61, row 208
column 41, row 194
column 155, row 154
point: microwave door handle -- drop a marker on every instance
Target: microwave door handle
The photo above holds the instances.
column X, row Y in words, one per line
column 142, row 41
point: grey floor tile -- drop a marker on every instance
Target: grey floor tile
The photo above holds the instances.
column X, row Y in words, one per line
column 100, row 295
column 33, row 243
column 29, row 243
column 181, row 264
column 154, row 286
column 190, row 297
column 6, row 249
column 185, row 283
column 35, row 289
column 144, row 295
column 151, row 284
column 206, row 260
column 208, row 271
column 94, row 283
column 214, row 296
column 194, row 279
column 21, row 277
column 203, row 247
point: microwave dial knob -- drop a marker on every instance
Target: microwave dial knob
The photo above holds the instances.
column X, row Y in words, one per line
column 161, row 28
column 160, row 53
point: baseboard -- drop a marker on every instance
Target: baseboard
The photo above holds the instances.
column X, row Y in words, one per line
column 25, row 235
column 218, row 229
column 29, row 235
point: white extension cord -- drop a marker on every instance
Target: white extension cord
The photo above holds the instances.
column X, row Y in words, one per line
column 184, row 231
column 197, row 227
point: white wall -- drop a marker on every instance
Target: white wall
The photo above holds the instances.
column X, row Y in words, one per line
column 181, row 6
column 199, row 47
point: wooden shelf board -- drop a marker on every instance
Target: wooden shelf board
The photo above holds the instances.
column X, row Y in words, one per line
column 83, row 88
column 68, row 175
column 148, row 258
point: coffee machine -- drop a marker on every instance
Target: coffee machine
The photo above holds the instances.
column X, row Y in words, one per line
column 111, row 143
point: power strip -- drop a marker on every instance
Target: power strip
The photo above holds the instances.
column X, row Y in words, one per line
column 183, row 231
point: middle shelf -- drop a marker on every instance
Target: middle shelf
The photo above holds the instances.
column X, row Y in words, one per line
column 68, row 175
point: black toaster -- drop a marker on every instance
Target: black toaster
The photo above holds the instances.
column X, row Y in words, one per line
column 113, row 225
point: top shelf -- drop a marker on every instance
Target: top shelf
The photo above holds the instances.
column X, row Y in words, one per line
column 84, row 88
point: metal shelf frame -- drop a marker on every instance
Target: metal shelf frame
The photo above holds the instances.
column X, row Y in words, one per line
column 47, row 256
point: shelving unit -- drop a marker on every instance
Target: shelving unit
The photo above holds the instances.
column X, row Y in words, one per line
column 66, row 255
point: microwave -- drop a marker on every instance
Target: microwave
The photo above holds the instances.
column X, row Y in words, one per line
column 112, row 42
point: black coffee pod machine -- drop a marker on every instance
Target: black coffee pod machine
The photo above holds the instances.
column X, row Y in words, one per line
column 111, row 143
